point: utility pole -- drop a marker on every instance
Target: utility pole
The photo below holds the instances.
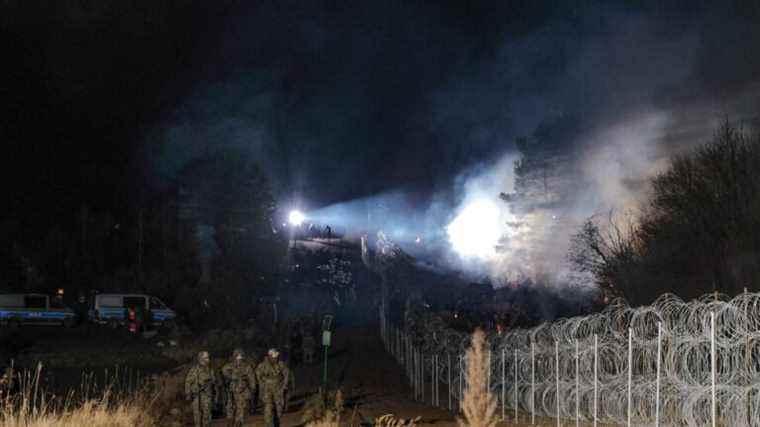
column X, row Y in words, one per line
column 326, row 341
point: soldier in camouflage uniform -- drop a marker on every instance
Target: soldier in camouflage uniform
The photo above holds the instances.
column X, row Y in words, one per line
column 240, row 379
column 201, row 387
column 273, row 377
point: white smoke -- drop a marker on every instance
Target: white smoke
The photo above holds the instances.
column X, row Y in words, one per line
column 615, row 164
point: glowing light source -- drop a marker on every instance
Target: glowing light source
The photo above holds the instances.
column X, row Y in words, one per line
column 475, row 232
column 296, row 218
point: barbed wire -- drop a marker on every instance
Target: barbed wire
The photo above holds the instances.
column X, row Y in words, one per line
column 532, row 379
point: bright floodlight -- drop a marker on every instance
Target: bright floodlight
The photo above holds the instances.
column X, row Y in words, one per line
column 296, row 218
column 475, row 232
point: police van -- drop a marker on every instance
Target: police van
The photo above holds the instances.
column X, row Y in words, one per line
column 34, row 309
column 112, row 309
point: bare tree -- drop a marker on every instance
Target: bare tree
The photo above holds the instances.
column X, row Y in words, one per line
column 698, row 232
column 606, row 248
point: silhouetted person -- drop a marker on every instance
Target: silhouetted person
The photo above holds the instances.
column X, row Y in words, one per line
column 82, row 309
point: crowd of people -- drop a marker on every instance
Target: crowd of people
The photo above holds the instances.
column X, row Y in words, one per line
column 313, row 231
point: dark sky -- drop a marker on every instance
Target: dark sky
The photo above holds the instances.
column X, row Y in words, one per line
column 103, row 102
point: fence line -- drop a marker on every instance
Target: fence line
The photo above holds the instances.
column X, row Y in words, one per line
column 691, row 363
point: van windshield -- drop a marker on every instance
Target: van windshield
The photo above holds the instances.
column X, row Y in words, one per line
column 156, row 303
column 11, row 301
column 109, row 301
column 134, row 302
column 35, row 302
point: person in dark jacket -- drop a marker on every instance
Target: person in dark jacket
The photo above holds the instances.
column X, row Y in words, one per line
column 82, row 310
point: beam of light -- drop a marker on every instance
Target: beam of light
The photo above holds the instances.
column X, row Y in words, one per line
column 296, row 218
column 475, row 232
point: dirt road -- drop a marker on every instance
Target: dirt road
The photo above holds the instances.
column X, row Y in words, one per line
column 372, row 382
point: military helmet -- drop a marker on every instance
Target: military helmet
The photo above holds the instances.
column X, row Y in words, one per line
column 273, row 353
column 238, row 353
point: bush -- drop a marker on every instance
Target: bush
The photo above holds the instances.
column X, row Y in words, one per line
column 323, row 410
column 479, row 404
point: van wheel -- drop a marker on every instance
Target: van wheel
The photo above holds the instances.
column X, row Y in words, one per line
column 68, row 322
column 113, row 324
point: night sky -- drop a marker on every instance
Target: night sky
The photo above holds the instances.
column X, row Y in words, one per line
column 103, row 102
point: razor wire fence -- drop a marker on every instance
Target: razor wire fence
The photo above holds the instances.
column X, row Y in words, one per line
column 693, row 363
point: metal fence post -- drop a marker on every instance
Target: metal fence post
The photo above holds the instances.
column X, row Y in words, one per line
column 630, row 371
column 460, row 383
column 503, row 384
column 432, row 380
column 448, row 377
column 657, row 391
column 556, row 356
column 596, row 378
column 532, row 383
column 516, row 382
column 713, row 368
column 577, row 384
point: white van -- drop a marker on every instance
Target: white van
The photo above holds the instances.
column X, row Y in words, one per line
column 112, row 308
column 34, row 309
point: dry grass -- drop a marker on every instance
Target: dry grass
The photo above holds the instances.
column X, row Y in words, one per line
column 92, row 413
column 390, row 420
column 479, row 404
column 331, row 415
column 31, row 406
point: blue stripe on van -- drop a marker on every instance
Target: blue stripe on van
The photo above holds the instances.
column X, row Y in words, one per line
column 162, row 315
column 119, row 314
column 35, row 314
column 112, row 313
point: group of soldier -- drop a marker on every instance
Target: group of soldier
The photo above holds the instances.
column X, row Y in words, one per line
column 237, row 383
column 303, row 343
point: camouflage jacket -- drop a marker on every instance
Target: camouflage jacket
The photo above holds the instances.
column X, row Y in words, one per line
column 201, row 380
column 239, row 377
column 273, row 375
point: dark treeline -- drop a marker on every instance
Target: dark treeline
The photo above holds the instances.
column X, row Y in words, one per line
column 205, row 244
column 697, row 233
column 82, row 83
